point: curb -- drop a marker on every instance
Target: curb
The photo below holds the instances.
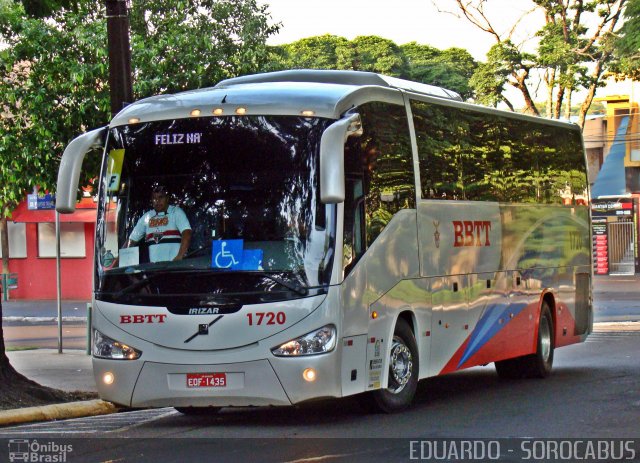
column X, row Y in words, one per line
column 616, row 326
column 56, row 412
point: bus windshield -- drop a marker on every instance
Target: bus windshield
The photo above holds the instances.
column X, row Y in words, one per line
column 213, row 210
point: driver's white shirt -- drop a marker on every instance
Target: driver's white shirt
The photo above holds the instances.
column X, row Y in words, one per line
column 162, row 232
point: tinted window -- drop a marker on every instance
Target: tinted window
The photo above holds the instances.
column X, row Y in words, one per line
column 249, row 182
column 472, row 155
column 381, row 157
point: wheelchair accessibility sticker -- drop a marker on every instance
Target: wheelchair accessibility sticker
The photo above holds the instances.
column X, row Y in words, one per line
column 231, row 254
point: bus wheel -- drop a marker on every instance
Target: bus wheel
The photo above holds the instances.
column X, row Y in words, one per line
column 403, row 372
column 198, row 411
column 536, row 365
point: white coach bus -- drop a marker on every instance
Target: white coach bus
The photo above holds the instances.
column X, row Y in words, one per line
column 350, row 233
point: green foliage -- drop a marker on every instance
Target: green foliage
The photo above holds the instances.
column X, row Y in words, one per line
column 185, row 44
column 573, row 53
column 490, row 78
column 627, row 45
column 53, row 85
column 45, row 8
column 54, row 73
column 375, row 54
column 365, row 53
column 451, row 68
column 319, row 52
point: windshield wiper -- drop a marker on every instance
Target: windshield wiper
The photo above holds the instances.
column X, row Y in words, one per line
column 293, row 286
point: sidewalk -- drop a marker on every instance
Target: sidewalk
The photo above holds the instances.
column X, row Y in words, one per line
column 69, row 371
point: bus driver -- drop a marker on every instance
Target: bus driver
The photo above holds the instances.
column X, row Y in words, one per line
column 165, row 229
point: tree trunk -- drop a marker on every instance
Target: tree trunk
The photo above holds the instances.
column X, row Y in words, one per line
column 521, row 85
column 550, row 80
column 558, row 106
column 567, row 108
column 595, row 78
column 4, row 361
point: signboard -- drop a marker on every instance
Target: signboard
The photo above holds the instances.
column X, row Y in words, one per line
column 114, row 169
column 36, row 202
column 600, row 246
column 612, row 207
column 607, row 214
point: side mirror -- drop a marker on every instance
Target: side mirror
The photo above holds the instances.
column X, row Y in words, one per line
column 332, row 157
column 70, row 165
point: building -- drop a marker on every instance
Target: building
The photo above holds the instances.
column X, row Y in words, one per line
column 612, row 145
column 32, row 252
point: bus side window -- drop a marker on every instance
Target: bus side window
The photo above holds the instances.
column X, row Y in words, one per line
column 381, row 157
column 354, row 219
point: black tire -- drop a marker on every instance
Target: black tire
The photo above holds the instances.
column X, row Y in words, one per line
column 536, row 365
column 403, row 372
column 198, row 411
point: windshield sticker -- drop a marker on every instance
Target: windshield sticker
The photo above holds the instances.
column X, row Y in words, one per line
column 251, row 259
column 227, row 254
column 231, row 254
column 129, row 256
column 193, row 138
column 114, row 169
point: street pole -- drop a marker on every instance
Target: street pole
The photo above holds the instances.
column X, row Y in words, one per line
column 58, row 283
column 120, row 80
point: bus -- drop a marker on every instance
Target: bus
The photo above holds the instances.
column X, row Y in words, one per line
column 349, row 233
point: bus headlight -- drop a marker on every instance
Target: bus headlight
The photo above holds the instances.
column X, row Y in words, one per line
column 318, row 341
column 106, row 348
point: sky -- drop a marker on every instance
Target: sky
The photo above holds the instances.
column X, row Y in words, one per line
column 399, row 20
column 412, row 20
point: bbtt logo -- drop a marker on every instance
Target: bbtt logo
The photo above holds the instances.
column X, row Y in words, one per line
column 471, row 233
column 142, row 318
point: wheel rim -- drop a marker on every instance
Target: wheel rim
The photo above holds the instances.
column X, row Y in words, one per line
column 545, row 339
column 400, row 366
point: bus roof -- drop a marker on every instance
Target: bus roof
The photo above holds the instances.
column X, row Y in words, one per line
column 326, row 93
column 358, row 78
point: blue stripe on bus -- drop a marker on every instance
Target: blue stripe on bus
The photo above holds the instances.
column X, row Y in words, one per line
column 488, row 326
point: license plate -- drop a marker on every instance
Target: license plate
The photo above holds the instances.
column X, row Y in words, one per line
column 196, row 380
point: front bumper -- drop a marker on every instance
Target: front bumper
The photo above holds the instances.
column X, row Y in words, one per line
column 277, row 381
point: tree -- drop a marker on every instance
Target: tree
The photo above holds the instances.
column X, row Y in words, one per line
column 54, row 77
column 319, row 52
column 51, row 87
column 365, row 53
column 570, row 55
column 187, row 44
column 375, row 54
column 627, row 44
column 451, row 68
column 45, row 8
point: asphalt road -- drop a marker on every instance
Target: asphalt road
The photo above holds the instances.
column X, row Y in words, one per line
column 74, row 336
column 594, row 392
